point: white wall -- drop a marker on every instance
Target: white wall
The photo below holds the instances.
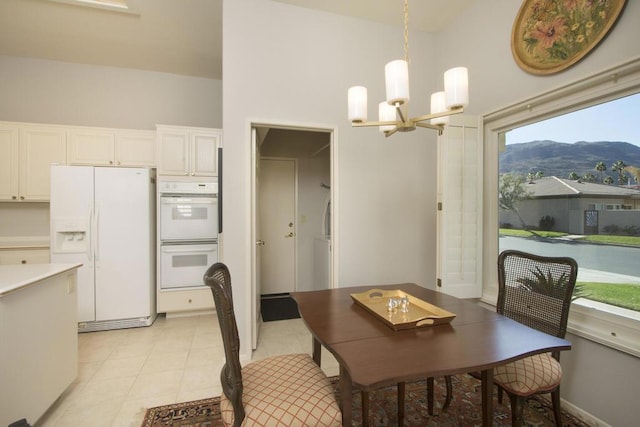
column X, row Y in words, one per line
column 288, row 64
column 481, row 39
column 598, row 379
column 44, row 91
column 24, row 219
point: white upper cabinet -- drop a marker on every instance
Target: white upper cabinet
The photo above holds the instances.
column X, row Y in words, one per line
column 26, row 155
column 188, row 151
column 112, row 147
column 136, row 148
column 8, row 162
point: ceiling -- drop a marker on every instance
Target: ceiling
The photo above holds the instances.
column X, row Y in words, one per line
column 172, row 36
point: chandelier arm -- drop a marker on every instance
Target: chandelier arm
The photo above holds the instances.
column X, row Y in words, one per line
column 453, row 111
column 388, row 133
column 430, row 126
column 400, row 113
column 365, row 124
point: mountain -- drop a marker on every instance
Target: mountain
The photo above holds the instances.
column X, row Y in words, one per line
column 560, row 159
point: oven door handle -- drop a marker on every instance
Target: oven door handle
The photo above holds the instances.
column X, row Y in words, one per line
column 185, row 251
column 190, row 200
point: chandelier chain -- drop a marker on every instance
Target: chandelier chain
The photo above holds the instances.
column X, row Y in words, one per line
column 406, row 30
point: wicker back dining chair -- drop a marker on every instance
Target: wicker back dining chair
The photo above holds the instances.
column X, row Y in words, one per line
column 285, row 390
column 535, row 291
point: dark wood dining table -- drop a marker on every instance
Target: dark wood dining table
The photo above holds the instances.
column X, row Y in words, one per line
column 372, row 355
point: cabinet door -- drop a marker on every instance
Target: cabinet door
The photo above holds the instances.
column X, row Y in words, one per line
column 8, row 162
column 173, row 151
column 136, row 148
column 204, row 149
column 24, row 256
column 91, row 147
column 39, row 147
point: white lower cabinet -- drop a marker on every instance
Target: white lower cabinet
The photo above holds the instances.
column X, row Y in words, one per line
column 39, row 345
column 176, row 301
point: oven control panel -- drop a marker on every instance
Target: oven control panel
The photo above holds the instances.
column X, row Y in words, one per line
column 184, row 187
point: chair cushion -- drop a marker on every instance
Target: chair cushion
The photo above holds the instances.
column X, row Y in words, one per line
column 287, row 390
column 524, row 377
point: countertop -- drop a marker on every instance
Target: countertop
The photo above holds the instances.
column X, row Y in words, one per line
column 16, row 277
column 23, row 242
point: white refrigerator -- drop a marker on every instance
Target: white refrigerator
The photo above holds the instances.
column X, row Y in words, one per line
column 104, row 217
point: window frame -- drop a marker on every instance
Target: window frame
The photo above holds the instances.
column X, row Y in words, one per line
column 602, row 323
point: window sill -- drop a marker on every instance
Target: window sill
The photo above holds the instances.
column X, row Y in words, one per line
column 614, row 327
column 605, row 324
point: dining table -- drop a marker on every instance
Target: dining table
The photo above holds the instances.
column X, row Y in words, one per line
column 372, row 353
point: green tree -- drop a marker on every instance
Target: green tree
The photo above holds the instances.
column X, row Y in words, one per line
column 601, row 168
column 511, row 191
column 539, row 174
column 574, row 176
column 635, row 172
column 619, row 167
column 608, row 180
column 589, row 177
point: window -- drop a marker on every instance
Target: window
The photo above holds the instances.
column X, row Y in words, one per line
column 573, row 156
column 601, row 322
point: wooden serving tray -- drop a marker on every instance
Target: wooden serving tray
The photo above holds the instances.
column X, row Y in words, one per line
column 420, row 313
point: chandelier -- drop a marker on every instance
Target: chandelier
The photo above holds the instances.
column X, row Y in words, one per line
column 393, row 113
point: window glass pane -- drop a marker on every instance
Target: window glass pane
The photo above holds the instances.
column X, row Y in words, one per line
column 569, row 186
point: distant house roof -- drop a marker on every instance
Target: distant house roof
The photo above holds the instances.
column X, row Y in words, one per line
column 552, row 186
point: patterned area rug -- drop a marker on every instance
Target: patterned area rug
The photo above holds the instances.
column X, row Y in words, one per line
column 465, row 409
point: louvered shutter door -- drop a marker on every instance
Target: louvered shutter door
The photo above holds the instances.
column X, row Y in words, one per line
column 460, row 208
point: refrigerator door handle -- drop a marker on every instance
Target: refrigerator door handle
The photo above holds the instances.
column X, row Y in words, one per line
column 97, row 234
column 89, row 237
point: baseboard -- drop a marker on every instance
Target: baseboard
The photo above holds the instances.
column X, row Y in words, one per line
column 577, row 412
column 107, row 325
column 174, row 314
column 583, row 415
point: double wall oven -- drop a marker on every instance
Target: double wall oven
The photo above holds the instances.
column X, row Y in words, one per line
column 188, row 232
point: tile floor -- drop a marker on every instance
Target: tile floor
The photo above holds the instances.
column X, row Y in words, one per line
column 123, row 372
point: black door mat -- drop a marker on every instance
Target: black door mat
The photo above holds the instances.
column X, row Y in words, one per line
column 278, row 307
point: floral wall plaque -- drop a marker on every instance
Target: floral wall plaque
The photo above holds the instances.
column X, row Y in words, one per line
column 551, row 35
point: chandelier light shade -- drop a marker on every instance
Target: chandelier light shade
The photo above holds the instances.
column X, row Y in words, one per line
column 438, row 105
column 396, row 78
column 456, row 87
column 386, row 113
column 393, row 113
column 358, row 104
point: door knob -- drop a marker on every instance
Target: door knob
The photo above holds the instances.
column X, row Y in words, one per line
column 291, row 234
column 260, row 243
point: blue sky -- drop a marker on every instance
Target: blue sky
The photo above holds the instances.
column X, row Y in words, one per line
column 617, row 120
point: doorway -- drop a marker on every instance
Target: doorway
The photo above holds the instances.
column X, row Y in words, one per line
column 292, row 214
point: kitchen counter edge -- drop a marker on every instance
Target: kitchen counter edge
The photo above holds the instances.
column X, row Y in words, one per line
column 16, row 277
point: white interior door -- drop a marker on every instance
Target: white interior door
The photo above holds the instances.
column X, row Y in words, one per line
column 256, row 251
column 277, row 200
